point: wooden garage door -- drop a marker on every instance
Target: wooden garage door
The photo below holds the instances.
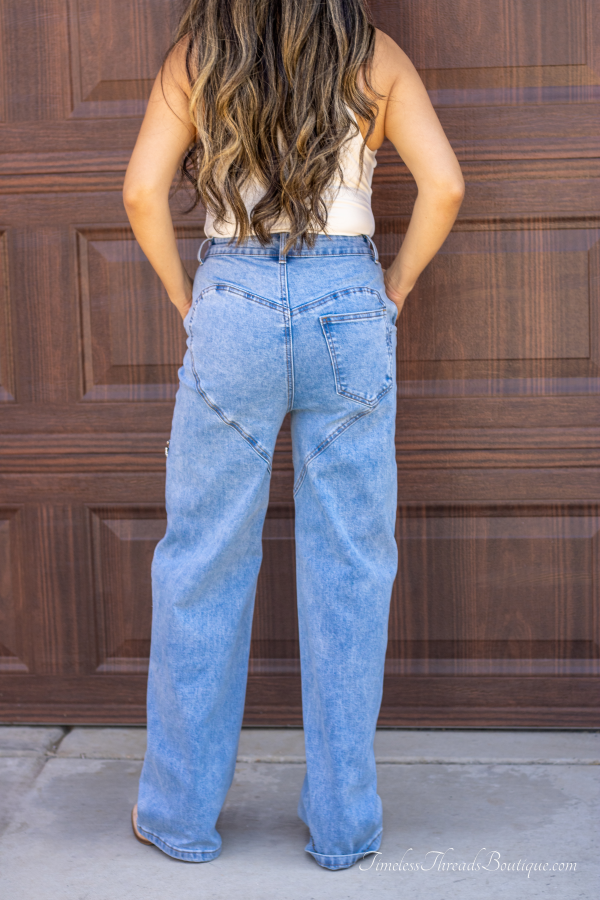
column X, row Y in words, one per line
column 495, row 610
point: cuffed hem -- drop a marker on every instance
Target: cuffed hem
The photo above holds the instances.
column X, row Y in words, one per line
column 185, row 855
column 343, row 862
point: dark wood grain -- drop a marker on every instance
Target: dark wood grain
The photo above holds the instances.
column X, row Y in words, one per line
column 7, row 370
column 494, row 618
column 53, row 550
column 44, row 315
column 37, row 84
column 12, row 625
column 275, row 700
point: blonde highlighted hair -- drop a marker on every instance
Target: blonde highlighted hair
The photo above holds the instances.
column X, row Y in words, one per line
column 271, row 81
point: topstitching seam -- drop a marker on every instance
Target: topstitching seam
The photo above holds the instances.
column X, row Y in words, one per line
column 170, row 846
column 287, row 326
column 232, row 289
column 340, row 389
column 335, row 294
column 346, row 856
column 251, row 441
column 275, row 255
column 326, row 443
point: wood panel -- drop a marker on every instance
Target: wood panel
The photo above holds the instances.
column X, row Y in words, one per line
column 494, row 617
column 511, row 81
column 44, row 315
column 132, row 340
column 499, row 591
column 11, row 651
column 460, row 36
column 7, row 377
column 124, row 540
column 505, row 312
column 54, row 556
column 274, row 645
column 36, row 84
column 112, row 75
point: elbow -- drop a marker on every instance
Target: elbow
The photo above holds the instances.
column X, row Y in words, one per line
column 453, row 191
column 456, row 192
column 448, row 193
column 138, row 196
column 132, row 197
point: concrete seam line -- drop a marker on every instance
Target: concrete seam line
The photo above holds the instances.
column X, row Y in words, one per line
column 419, row 761
column 424, row 761
column 381, row 760
column 384, row 760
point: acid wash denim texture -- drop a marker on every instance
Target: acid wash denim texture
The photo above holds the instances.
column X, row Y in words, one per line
column 312, row 333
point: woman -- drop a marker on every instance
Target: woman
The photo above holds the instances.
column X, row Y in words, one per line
column 289, row 311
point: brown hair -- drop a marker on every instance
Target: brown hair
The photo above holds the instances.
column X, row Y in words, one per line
column 270, row 81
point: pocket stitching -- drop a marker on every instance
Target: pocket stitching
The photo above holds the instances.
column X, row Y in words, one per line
column 335, row 318
column 333, row 295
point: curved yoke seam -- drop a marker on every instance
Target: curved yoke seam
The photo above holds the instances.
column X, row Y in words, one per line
column 251, row 441
column 369, row 404
column 326, row 443
column 224, row 287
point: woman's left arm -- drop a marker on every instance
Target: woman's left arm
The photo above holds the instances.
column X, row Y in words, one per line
column 164, row 138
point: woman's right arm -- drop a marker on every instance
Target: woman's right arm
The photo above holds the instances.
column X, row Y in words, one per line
column 411, row 124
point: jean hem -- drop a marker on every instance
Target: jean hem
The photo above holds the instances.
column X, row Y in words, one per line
column 343, row 862
column 185, row 855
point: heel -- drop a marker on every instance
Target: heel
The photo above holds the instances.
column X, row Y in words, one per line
column 140, row 838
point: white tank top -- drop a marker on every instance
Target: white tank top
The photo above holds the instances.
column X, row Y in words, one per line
column 348, row 204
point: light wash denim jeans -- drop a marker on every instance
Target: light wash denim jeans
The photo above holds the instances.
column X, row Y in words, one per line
column 311, row 333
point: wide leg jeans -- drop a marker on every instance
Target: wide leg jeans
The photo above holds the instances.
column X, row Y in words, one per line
column 311, row 333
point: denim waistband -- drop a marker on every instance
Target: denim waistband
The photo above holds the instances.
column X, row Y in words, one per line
column 325, row 245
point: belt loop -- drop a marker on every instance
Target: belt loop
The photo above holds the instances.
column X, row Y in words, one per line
column 205, row 241
column 282, row 235
column 373, row 248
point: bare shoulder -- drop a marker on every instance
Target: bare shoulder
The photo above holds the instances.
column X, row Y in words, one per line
column 407, row 118
column 390, row 73
column 390, row 63
column 174, row 70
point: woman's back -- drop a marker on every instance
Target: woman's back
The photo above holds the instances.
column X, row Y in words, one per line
column 348, row 198
column 273, row 113
column 256, row 69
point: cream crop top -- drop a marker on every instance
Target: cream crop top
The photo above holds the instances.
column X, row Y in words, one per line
column 348, row 204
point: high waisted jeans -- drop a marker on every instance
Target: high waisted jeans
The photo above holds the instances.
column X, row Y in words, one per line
column 311, row 333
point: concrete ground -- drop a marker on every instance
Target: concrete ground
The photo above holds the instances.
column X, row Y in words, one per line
column 467, row 814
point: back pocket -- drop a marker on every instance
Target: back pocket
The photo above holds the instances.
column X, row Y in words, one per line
column 360, row 348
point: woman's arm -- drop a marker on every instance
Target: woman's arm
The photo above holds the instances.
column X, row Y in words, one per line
column 414, row 129
column 164, row 137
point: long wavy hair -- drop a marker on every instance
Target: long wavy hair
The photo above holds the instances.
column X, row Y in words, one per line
column 270, row 84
